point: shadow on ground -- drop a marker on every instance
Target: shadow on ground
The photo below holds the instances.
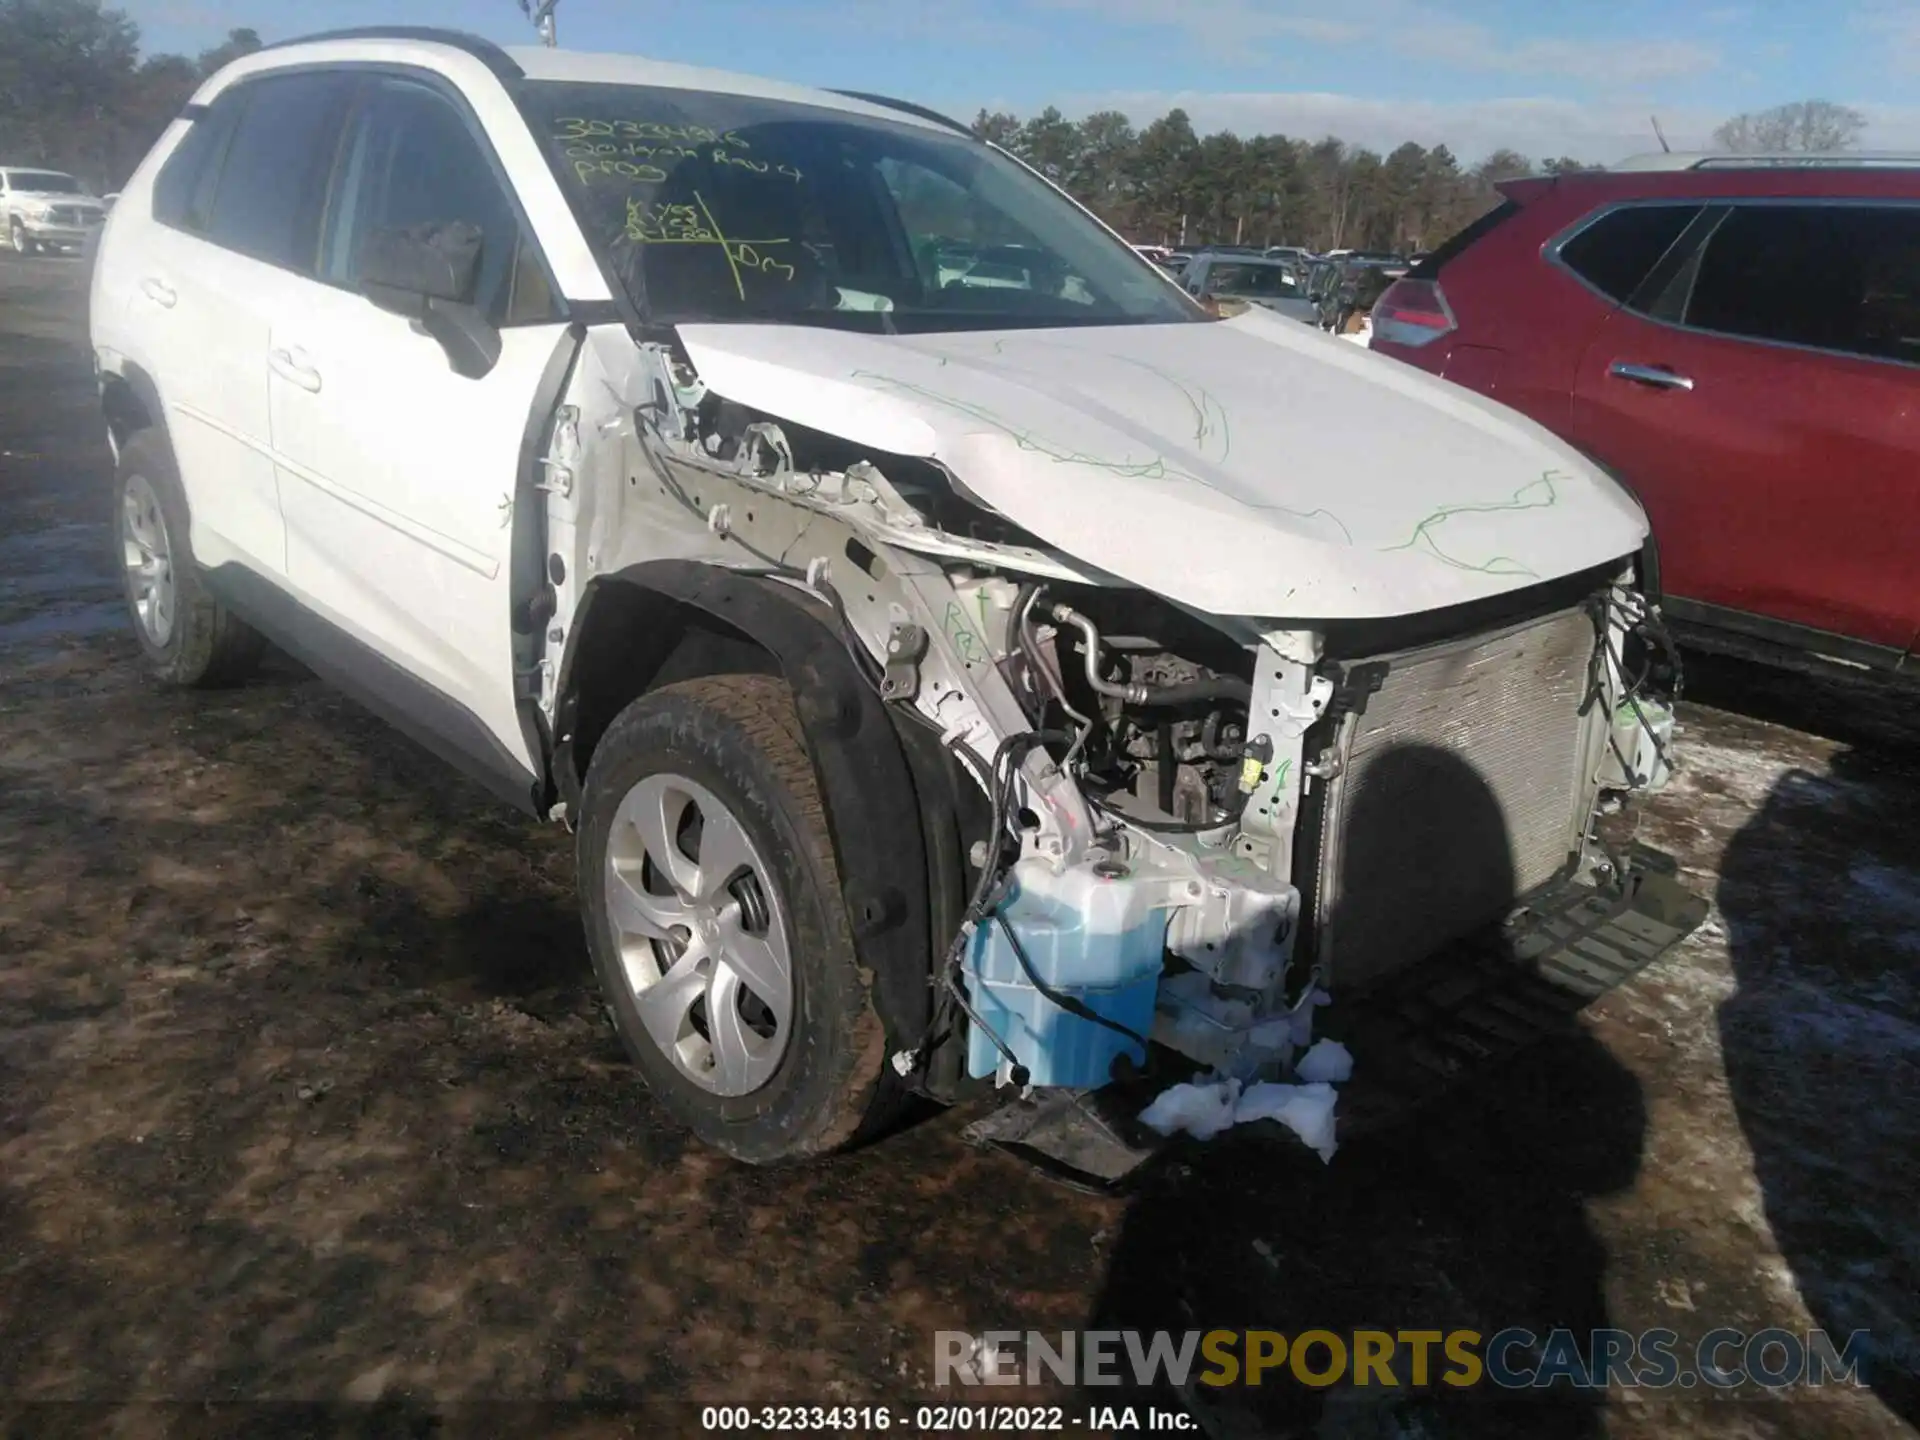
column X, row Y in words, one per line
column 1467, row 1214
column 1821, row 1038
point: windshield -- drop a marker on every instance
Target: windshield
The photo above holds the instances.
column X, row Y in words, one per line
column 734, row 208
column 43, row 182
column 1270, row 280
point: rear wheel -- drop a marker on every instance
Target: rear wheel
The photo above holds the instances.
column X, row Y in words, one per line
column 186, row 636
column 713, row 909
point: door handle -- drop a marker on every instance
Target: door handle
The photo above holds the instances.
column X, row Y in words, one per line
column 1654, row 375
column 289, row 366
column 159, row 292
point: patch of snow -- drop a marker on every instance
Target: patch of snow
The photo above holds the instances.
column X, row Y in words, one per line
column 1201, row 1110
column 1749, row 774
column 1204, row 1108
column 1328, row 1062
column 1307, row 1110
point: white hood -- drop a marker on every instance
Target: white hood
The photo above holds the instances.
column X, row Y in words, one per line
column 39, row 198
column 1252, row 466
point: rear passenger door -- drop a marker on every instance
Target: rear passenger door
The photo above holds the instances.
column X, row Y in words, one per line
column 399, row 475
column 1761, row 394
column 237, row 206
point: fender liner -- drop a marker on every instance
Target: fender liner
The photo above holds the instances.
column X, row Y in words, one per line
column 135, row 377
column 866, row 782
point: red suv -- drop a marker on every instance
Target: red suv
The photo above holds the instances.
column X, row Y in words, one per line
column 1737, row 338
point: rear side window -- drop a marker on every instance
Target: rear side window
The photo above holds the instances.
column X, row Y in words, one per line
column 410, row 159
column 1836, row 277
column 1619, row 250
column 267, row 201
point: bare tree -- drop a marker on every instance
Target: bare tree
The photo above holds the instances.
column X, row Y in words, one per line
column 1804, row 125
column 1504, row 165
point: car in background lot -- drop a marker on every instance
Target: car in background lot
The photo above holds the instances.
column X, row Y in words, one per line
column 1737, row 338
column 46, row 210
column 1254, row 279
column 1345, row 283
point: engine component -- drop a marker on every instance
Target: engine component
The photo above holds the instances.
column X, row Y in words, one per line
column 1241, row 933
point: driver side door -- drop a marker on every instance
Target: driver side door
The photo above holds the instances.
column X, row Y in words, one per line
column 397, row 475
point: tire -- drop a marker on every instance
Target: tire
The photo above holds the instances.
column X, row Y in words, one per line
column 187, row 638
column 730, row 745
column 23, row 243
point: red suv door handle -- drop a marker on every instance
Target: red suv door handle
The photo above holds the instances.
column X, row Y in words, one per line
column 1656, row 375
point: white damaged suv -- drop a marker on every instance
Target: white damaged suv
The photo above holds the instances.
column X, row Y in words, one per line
column 961, row 657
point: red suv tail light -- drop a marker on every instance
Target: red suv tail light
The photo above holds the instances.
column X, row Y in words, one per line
column 1413, row 313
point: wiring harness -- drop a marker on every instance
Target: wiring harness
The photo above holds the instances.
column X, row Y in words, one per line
column 1645, row 638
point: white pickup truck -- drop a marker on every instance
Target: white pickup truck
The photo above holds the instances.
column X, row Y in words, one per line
column 45, row 210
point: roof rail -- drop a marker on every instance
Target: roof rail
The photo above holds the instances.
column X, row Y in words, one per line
column 1779, row 160
column 906, row 107
column 1834, row 160
column 483, row 50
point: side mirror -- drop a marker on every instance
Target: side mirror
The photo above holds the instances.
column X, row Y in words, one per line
column 427, row 273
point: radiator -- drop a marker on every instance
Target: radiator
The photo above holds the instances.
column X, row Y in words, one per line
column 1463, row 784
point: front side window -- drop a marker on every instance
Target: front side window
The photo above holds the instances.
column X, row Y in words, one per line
column 736, row 208
column 410, row 160
column 266, row 200
column 1619, row 250
column 1835, row 277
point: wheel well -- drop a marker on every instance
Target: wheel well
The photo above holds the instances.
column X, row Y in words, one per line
column 899, row 841
column 636, row 640
column 126, row 412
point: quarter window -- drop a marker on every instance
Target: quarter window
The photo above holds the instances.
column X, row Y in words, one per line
column 1619, row 250
column 1835, row 277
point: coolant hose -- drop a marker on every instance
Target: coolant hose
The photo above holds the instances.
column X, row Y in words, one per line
column 1193, row 692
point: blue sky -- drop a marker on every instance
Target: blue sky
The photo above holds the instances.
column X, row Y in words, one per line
column 1579, row 77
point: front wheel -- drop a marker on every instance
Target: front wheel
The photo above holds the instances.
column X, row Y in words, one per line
column 17, row 233
column 713, row 909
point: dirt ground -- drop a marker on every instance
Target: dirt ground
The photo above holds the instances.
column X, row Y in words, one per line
column 305, row 1095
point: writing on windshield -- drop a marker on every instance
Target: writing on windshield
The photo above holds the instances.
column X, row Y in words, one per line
column 657, row 224
column 643, row 149
column 713, row 207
